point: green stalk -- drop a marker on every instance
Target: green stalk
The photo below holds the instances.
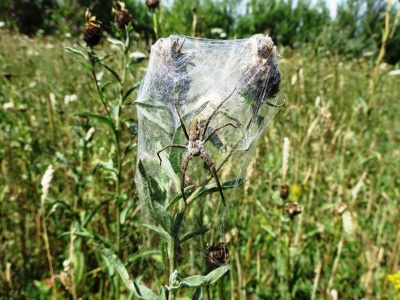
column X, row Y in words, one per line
column 155, row 27
column 172, row 248
column 288, row 258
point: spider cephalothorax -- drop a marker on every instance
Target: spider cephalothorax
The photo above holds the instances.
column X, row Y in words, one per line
column 197, row 137
column 217, row 255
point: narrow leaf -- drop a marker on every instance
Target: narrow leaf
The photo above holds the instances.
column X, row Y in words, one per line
column 100, row 118
column 213, row 188
column 111, row 71
column 128, row 92
column 75, row 51
column 116, row 42
column 194, row 233
column 87, row 66
column 199, row 281
column 161, row 232
column 137, row 289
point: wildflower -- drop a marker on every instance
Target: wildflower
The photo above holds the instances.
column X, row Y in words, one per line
column 122, row 16
column 153, row 4
column 92, row 33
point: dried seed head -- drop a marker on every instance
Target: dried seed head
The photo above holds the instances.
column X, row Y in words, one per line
column 261, row 77
column 342, row 208
column 153, row 4
column 122, row 15
column 284, row 191
column 92, row 33
column 293, row 209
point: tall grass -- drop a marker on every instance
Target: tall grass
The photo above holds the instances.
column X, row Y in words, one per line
column 338, row 246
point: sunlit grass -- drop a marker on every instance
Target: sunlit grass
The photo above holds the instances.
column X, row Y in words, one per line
column 327, row 99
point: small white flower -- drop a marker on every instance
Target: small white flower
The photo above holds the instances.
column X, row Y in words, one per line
column 8, row 105
column 394, row 72
column 89, row 134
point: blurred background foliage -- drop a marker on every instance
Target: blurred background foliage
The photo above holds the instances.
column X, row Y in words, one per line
column 355, row 30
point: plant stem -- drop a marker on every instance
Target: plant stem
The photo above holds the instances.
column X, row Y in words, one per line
column 288, row 258
column 173, row 247
column 155, row 26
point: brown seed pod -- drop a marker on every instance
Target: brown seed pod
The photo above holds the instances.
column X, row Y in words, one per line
column 293, row 209
column 92, row 33
column 284, row 191
column 122, row 15
column 153, row 4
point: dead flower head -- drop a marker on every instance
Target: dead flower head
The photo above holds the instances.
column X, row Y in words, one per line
column 284, row 191
column 153, row 4
column 92, row 33
column 122, row 15
column 293, row 209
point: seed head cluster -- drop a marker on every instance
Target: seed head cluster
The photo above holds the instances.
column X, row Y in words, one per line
column 122, row 15
column 153, row 4
column 92, row 33
column 261, row 77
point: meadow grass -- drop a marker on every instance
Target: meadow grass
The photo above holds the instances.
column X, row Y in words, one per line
column 346, row 240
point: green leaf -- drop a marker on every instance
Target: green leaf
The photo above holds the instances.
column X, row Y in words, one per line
column 125, row 211
column 138, row 290
column 269, row 231
column 198, row 294
column 161, row 232
column 127, row 40
column 143, row 254
column 136, row 57
column 152, row 194
column 153, row 117
column 197, row 281
column 188, row 189
column 213, row 188
column 87, row 66
column 100, row 118
column 128, row 92
column 116, row 76
column 168, row 168
column 194, row 233
column 105, row 85
column 93, row 212
column 75, row 51
column 116, row 42
column 175, row 153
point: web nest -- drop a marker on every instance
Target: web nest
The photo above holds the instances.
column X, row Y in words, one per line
column 226, row 91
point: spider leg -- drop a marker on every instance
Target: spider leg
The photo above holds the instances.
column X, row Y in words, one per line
column 182, row 124
column 215, row 110
column 169, row 146
column 215, row 130
column 184, row 166
column 213, row 171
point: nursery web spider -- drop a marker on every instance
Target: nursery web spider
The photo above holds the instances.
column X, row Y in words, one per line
column 197, row 137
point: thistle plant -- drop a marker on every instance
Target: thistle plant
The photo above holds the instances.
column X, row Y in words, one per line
column 114, row 95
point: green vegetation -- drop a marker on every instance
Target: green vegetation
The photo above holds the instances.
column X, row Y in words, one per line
column 341, row 118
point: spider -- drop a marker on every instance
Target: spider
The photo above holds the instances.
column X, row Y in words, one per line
column 197, row 137
column 217, row 255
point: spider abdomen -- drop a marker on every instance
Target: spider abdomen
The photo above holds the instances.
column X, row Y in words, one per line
column 195, row 148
